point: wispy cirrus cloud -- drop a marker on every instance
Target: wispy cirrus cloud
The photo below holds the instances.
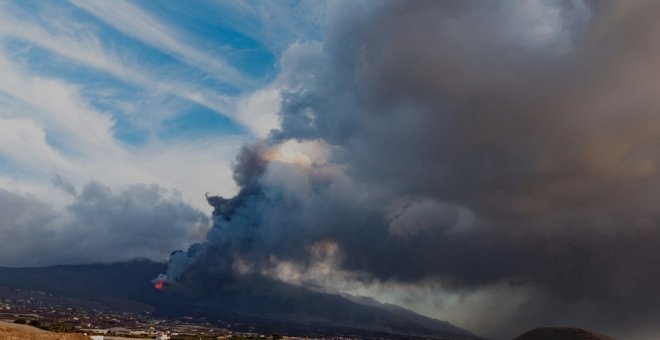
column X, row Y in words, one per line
column 49, row 128
column 77, row 39
column 87, row 50
column 137, row 23
column 273, row 24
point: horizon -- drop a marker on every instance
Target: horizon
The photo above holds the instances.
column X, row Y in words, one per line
column 485, row 164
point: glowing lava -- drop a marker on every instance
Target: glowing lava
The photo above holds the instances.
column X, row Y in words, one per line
column 159, row 284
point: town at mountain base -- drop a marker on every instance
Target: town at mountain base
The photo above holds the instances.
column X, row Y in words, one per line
column 249, row 304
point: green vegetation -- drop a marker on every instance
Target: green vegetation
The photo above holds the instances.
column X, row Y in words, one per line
column 58, row 327
column 51, row 327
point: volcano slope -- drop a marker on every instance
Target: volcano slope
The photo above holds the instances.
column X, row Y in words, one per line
column 247, row 303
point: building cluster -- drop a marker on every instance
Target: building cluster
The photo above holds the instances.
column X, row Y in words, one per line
column 53, row 313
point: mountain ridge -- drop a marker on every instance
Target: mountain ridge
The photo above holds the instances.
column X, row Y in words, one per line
column 254, row 301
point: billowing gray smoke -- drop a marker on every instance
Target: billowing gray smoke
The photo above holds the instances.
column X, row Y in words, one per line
column 471, row 144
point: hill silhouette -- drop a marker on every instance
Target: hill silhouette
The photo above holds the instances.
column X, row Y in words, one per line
column 559, row 333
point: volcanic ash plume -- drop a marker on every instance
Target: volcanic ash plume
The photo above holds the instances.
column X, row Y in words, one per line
column 463, row 145
column 280, row 188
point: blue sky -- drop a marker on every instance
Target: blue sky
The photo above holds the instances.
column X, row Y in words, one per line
column 130, row 92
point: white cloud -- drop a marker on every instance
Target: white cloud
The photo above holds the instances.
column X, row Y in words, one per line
column 81, row 46
column 256, row 110
column 84, row 47
column 47, row 128
column 23, row 143
column 140, row 25
column 259, row 111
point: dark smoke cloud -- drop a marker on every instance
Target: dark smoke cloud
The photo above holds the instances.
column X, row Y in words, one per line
column 100, row 225
column 473, row 144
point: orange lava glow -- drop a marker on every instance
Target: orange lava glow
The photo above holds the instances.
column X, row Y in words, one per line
column 159, row 284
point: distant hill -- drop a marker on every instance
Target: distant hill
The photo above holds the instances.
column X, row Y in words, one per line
column 556, row 333
column 253, row 302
